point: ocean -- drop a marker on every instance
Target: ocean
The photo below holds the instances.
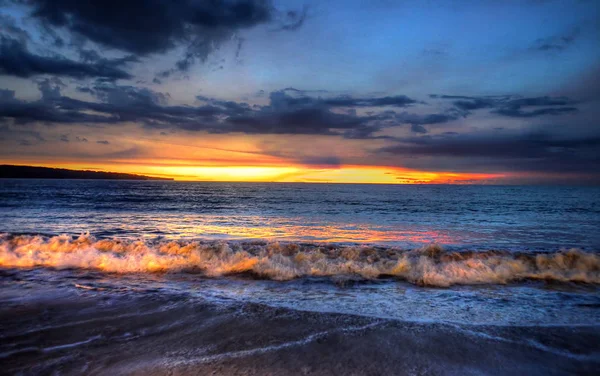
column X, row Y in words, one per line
column 406, row 216
column 467, row 257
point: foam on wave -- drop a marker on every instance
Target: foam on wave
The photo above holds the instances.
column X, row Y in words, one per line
column 430, row 265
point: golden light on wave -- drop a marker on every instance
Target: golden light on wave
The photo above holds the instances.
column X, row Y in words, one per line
column 429, row 265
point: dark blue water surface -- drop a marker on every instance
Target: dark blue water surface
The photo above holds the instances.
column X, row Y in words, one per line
column 479, row 217
column 520, row 287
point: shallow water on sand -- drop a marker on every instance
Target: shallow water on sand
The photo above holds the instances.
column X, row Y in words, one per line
column 524, row 304
column 75, row 322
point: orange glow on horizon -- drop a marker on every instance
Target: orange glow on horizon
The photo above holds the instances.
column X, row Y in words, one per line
column 292, row 174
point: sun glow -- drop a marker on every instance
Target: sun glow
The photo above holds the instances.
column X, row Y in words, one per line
column 228, row 173
column 289, row 174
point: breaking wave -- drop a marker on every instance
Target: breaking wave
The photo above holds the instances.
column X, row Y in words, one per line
column 430, row 265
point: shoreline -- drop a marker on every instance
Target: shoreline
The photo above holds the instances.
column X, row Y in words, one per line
column 76, row 331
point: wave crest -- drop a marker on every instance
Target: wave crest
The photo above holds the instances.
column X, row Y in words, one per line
column 430, row 265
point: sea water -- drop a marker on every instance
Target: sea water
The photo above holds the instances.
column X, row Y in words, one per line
column 505, row 255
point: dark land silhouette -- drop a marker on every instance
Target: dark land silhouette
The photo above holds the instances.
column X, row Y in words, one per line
column 32, row 172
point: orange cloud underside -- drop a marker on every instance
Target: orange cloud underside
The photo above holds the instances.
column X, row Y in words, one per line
column 180, row 170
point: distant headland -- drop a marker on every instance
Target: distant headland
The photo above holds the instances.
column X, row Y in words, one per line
column 32, row 172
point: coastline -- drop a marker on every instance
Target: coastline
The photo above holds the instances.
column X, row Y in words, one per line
column 74, row 330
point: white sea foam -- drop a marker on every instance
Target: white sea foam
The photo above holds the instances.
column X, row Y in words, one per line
column 430, row 265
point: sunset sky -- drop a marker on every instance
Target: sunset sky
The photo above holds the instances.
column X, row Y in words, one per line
column 466, row 91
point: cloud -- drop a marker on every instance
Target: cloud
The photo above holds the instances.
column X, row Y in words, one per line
column 50, row 88
column 289, row 111
column 527, row 151
column 512, row 106
column 346, row 101
column 556, row 43
column 517, row 112
column 10, row 28
column 16, row 60
column 53, row 109
column 321, row 161
column 148, row 27
column 294, row 121
column 285, row 114
column 418, row 128
column 295, row 97
column 437, row 118
column 293, row 20
column 292, row 111
column 24, row 137
column 65, row 138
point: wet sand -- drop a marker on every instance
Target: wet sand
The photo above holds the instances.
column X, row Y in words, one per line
column 74, row 330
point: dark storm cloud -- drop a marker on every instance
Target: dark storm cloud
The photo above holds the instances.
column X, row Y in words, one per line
column 93, row 56
column 288, row 114
column 149, row 26
column 295, row 97
column 295, row 121
column 473, row 104
column 285, row 114
column 539, row 101
column 517, row 112
column 290, row 111
column 534, row 151
column 512, row 106
column 44, row 110
column 437, row 118
column 467, row 103
column 7, row 95
column 116, row 104
column 234, row 108
column 145, row 27
column 16, row 60
column 418, row 128
column 50, row 88
column 9, row 28
column 132, row 104
column 552, row 106
column 397, row 101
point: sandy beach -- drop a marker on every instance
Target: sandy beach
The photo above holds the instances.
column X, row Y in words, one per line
column 78, row 330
